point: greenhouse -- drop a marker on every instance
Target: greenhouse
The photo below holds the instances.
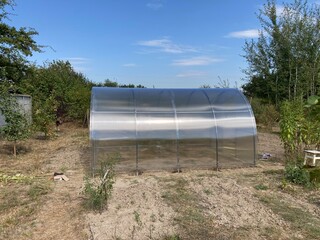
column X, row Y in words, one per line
column 172, row 129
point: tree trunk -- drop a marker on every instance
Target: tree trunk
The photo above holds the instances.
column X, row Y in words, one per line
column 289, row 87
column 15, row 149
column 295, row 85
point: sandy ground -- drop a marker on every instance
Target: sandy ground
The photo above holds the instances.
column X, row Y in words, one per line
column 227, row 200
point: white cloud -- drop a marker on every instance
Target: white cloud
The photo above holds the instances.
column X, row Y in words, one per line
column 166, row 45
column 129, row 65
column 155, row 4
column 196, row 61
column 79, row 64
column 250, row 33
column 76, row 60
column 191, row 74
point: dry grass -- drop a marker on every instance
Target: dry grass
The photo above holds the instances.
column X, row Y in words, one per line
column 23, row 201
column 248, row 203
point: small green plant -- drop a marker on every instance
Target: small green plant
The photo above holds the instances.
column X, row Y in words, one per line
column 137, row 218
column 19, row 178
column 261, row 187
column 17, row 127
column 98, row 191
column 207, row 191
column 297, row 174
column 38, row 189
column 172, row 237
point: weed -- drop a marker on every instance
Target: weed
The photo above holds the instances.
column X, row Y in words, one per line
column 207, row 191
column 10, row 200
column 97, row 193
column 261, row 187
column 297, row 174
column 137, row 218
column 63, row 168
column 171, row 237
column 18, row 178
column 38, row 189
column 273, row 171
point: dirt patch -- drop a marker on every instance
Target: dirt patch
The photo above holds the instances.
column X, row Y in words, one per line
column 136, row 211
column 245, row 203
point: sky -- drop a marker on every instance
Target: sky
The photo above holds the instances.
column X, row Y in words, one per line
column 155, row 43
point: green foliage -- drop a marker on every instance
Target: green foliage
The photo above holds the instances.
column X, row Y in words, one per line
column 172, row 237
column 137, row 218
column 291, row 118
column 297, row 174
column 284, row 63
column 299, row 127
column 261, row 187
column 44, row 115
column 266, row 114
column 97, row 193
column 315, row 175
column 15, row 46
column 58, row 92
column 109, row 83
column 17, row 126
column 19, row 178
column 38, row 189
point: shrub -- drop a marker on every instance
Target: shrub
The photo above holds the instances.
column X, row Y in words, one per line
column 98, row 191
column 17, row 127
column 297, row 174
column 266, row 114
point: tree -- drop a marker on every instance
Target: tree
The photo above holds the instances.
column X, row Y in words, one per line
column 15, row 46
column 17, row 126
column 58, row 92
column 109, row 83
column 284, row 62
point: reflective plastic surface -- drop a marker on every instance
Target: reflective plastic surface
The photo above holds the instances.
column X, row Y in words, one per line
column 172, row 128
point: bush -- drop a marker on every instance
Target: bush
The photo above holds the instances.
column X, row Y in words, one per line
column 98, row 192
column 265, row 114
column 297, row 174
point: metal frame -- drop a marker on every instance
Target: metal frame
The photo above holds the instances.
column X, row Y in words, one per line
column 147, row 119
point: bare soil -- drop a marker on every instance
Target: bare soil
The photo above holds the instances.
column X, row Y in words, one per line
column 246, row 203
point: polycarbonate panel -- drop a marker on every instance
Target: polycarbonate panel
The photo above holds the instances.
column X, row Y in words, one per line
column 191, row 100
column 116, row 100
column 235, row 136
column 230, row 100
column 113, row 126
column 158, row 100
column 157, row 129
column 196, row 126
column 156, row 126
column 153, row 157
column 127, row 161
column 197, row 156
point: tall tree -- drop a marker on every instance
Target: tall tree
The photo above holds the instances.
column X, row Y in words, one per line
column 15, row 46
column 58, row 92
column 284, row 63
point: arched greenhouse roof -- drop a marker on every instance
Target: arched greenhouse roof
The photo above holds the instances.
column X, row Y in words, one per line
column 218, row 121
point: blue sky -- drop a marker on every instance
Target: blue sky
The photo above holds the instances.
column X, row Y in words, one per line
column 160, row 43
